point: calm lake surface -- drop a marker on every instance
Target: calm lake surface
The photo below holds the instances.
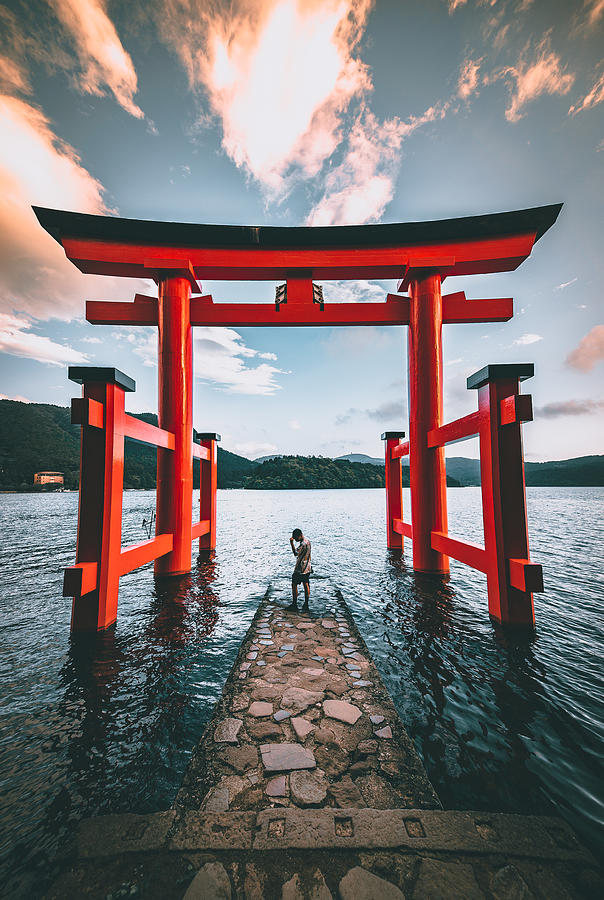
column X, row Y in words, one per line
column 106, row 723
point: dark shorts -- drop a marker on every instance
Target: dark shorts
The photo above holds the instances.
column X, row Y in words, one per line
column 300, row 579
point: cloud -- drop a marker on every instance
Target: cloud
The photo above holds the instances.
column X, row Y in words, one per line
column 105, row 65
column 17, row 339
column 294, row 425
column 353, row 292
column 526, row 339
column 543, row 74
column 36, row 167
column 279, row 75
column 389, row 411
column 596, row 10
column 468, row 78
column 219, row 357
column 358, row 189
column 18, row 398
column 594, row 97
column 589, row 351
column 561, row 408
column 13, row 76
column 91, row 340
column 253, row 449
column 565, row 284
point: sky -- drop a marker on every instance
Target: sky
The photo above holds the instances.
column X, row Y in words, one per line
column 308, row 112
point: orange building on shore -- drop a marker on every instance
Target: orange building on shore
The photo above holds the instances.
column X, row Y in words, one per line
column 48, row 478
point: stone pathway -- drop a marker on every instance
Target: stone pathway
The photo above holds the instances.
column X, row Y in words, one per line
column 305, row 786
column 305, row 721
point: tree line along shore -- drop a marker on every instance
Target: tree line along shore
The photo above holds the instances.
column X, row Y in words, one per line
column 38, row 437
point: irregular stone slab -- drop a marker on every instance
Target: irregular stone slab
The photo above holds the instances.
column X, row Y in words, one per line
column 308, row 788
column 286, row 757
column 377, row 793
column 252, row 655
column 346, row 793
column 328, row 623
column 240, row 758
column 308, row 671
column 508, row 884
column 446, row 880
column 302, row 727
column 261, row 730
column 261, row 663
column 316, row 889
column 318, row 658
column 245, row 666
column 384, row 732
column 282, row 714
column 359, row 884
column 376, row 720
column 362, row 683
column 210, row 883
column 332, row 759
column 259, row 708
column 216, row 800
column 342, row 711
column 299, row 699
column 226, row 731
column 277, row 787
column 287, row 646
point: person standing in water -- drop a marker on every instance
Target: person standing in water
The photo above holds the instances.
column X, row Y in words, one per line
column 302, row 569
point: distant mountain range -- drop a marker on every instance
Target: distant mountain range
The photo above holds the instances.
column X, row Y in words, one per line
column 583, row 471
column 37, row 436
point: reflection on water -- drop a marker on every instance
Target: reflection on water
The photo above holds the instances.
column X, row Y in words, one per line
column 106, row 723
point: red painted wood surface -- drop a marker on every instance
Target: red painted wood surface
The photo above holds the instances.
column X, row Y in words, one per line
column 175, row 414
column 468, row 257
column 208, row 482
column 427, row 464
column 394, row 495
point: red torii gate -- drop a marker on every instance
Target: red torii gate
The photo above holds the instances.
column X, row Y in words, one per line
column 419, row 255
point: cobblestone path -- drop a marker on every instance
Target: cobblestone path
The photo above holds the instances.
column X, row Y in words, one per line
column 305, row 721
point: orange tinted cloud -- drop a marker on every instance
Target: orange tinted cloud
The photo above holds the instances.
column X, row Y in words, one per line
column 279, row 75
column 589, row 351
column 38, row 168
column 106, row 66
column 544, row 74
column 592, row 98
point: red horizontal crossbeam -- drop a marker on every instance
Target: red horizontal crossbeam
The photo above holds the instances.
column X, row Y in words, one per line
column 140, row 554
column 400, row 450
column 404, row 528
column 147, row 433
column 457, row 309
column 498, row 254
column 470, row 554
column 86, row 411
column 526, row 575
column 200, row 452
column 516, row 408
column 200, row 528
column 80, row 579
column 459, row 430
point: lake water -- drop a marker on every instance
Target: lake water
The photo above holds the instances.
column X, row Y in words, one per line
column 106, row 723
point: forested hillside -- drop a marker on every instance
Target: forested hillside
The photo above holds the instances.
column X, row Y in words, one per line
column 36, row 436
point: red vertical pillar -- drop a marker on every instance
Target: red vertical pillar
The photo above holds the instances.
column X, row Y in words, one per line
column 427, row 465
column 511, row 578
column 175, row 401
column 94, row 581
column 208, row 480
column 394, row 488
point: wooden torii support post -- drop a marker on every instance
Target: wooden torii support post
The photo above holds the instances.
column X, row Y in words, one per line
column 419, row 255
